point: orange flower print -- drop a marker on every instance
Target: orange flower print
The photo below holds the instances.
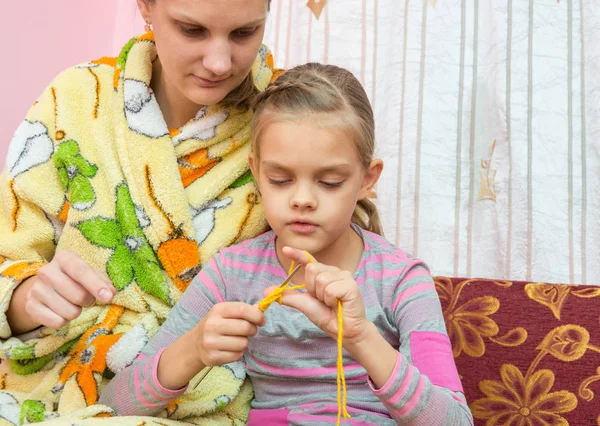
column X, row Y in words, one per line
column 195, row 165
column 469, row 322
column 22, row 270
column 519, row 400
column 89, row 355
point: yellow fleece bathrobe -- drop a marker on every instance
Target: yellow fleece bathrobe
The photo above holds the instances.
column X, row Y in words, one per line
column 95, row 170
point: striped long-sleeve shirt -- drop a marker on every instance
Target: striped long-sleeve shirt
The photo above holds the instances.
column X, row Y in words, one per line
column 292, row 363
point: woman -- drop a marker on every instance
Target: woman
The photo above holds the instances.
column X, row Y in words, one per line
column 125, row 176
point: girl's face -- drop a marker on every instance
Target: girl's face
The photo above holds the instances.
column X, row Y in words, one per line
column 206, row 47
column 310, row 178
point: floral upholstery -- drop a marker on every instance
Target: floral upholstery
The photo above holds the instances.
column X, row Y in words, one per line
column 527, row 353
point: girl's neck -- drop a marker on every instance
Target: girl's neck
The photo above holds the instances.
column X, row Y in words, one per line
column 176, row 109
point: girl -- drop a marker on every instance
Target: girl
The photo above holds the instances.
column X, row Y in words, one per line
column 313, row 142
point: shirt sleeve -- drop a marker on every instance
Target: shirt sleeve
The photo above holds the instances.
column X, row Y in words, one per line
column 32, row 202
column 424, row 388
column 135, row 390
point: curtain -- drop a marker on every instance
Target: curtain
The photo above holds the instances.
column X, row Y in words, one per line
column 488, row 120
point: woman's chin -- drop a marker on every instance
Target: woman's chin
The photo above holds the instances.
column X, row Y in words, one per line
column 206, row 96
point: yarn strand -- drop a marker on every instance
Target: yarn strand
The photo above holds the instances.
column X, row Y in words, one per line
column 276, row 296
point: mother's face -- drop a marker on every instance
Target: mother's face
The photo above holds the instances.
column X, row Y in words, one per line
column 206, row 47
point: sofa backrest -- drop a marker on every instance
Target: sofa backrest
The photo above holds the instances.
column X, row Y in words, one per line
column 525, row 350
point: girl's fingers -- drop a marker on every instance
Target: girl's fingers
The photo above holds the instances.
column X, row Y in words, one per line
column 297, row 256
column 241, row 311
column 220, row 343
column 315, row 310
column 325, row 278
column 237, row 327
column 334, row 292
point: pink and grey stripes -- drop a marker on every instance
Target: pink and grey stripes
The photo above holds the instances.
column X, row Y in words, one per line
column 292, row 363
column 139, row 392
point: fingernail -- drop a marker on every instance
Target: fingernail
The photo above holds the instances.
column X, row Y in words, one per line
column 105, row 295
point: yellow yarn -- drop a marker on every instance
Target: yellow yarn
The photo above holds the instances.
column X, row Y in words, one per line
column 276, row 296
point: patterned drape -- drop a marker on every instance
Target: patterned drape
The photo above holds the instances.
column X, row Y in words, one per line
column 488, row 120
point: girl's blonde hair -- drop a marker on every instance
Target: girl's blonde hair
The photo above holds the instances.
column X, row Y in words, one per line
column 323, row 89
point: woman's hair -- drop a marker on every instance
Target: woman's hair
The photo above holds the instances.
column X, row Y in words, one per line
column 315, row 90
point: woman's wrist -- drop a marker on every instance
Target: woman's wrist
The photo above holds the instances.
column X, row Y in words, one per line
column 17, row 317
column 375, row 354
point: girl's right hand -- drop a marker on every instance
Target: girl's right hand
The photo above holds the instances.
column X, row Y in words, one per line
column 222, row 335
column 59, row 291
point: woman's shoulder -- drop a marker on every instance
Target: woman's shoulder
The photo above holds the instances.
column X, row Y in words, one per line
column 81, row 77
column 101, row 71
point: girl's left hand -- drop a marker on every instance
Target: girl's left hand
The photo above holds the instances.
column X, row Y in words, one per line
column 325, row 285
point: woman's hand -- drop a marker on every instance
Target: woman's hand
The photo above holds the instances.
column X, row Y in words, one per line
column 325, row 285
column 57, row 294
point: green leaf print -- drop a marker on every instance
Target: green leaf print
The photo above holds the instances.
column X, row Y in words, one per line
column 133, row 258
column 30, row 365
column 63, row 177
column 119, row 268
column 242, row 180
column 101, row 231
column 23, row 352
column 147, row 271
column 122, row 58
column 82, row 193
column 125, row 214
column 32, row 412
column 74, row 173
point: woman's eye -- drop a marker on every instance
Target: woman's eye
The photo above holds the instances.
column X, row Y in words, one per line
column 193, row 31
column 244, row 33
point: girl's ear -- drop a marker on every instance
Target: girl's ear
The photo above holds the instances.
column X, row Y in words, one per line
column 253, row 167
column 370, row 179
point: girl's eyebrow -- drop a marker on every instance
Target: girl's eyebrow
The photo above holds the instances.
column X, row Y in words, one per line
column 274, row 165
column 340, row 167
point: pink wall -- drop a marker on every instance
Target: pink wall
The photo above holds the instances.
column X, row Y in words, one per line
column 38, row 39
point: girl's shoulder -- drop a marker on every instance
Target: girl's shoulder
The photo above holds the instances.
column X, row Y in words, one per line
column 262, row 245
column 378, row 247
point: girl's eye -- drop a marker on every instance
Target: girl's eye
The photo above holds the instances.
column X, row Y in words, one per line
column 278, row 181
column 332, row 184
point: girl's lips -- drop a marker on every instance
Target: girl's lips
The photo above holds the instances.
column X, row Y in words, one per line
column 303, row 227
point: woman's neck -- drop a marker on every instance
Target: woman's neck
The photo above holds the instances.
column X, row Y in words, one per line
column 177, row 110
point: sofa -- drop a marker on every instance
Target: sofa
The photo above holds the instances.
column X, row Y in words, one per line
column 527, row 353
